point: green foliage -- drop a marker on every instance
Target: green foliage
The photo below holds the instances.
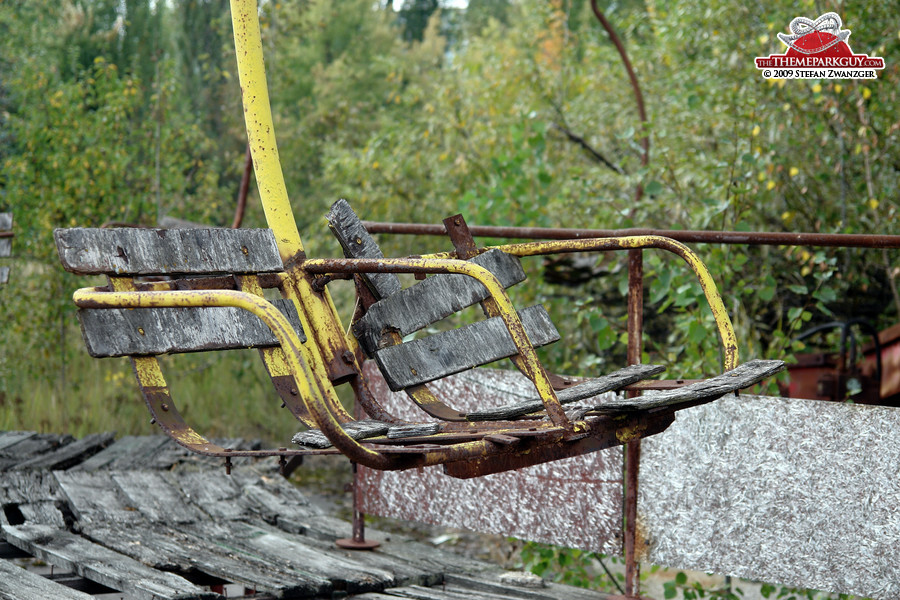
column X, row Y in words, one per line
column 570, row 566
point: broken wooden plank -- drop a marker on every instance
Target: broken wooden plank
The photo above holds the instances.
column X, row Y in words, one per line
column 68, row 455
column 6, row 223
column 4, row 275
column 42, row 513
column 358, row 243
column 358, row 430
column 31, row 446
column 456, row 350
column 582, row 391
column 433, row 299
column 167, row 251
column 149, row 331
column 179, row 550
column 743, row 376
column 95, row 497
column 73, row 553
column 126, row 453
column 17, row 583
column 156, row 496
column 9, row 438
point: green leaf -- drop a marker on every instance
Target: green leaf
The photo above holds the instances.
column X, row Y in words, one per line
column 681, row 578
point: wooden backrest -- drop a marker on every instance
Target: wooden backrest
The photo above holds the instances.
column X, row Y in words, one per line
column 133, row 251
column 129, row 252
column 400, row 312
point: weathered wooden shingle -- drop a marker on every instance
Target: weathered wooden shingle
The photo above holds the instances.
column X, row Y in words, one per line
column 433, row 299
column 150, row 331
column 132, row 251
column 456, row 350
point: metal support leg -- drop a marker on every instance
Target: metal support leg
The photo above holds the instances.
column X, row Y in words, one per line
column 633, row 449
column 358, row 541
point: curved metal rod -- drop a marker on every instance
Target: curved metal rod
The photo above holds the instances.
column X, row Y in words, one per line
column 532, row 366
column 723, row 322
column 307, row 384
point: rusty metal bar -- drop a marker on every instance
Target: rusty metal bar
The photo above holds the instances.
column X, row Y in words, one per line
column 633, row 448
column 7, row 234
column 749, row 238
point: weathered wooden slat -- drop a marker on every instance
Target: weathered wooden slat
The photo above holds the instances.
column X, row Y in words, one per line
column 433, row 299
column 131, row 251
column 156, row 496
column 148, row 331
column 358, row 243
column 70, row 454
column 9, row 438
column 20, row 487
column 448, row 352
column 4, row 275
column 17, row 583
column 73, row 553
column 95, row 497
column 180, row 550
column 358, row 430
column 126, row 453
column 32, row 446
column 416, row 429
column 6, row 221
column 308, row 556
column 43, row 513
column 587, row 389
column 743, row 376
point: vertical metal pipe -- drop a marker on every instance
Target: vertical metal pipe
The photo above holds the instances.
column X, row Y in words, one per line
column 633, row 449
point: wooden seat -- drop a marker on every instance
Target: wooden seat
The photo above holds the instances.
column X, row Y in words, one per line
column 178, row 291
column 391, row 313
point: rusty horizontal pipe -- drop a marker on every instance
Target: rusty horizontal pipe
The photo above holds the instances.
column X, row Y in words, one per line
column 7, row 234
column 750, row 238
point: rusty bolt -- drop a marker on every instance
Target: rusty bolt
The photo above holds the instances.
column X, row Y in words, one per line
column 164, row 406
column 294, row 392
column 347, row 357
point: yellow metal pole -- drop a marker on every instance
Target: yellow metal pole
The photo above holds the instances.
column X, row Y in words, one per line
column 260, row 129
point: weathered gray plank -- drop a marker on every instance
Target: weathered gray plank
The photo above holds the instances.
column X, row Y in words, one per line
column 413, row 430
column 179, row 550
column 9, row 438
column 167, row 251
column 358, row 430
column 16, row 583
column 126, row 453
column 582, row 391
column 73, row 553
column 802, row 493
column 147, row 331
column 70, row 454
column 95, row 497
column 358, row 243
column 31, row 446
column 312, row 557
column 6, row 221
column 448, row 352
column 4, row 275
column 19, row 487
column 743, row 376
column 433, row 299
column 156, row 495
column 5, row 244
column 43, row 513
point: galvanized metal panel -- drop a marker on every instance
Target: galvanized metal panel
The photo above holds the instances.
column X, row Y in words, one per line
column 575, row 502
column 798, row 492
